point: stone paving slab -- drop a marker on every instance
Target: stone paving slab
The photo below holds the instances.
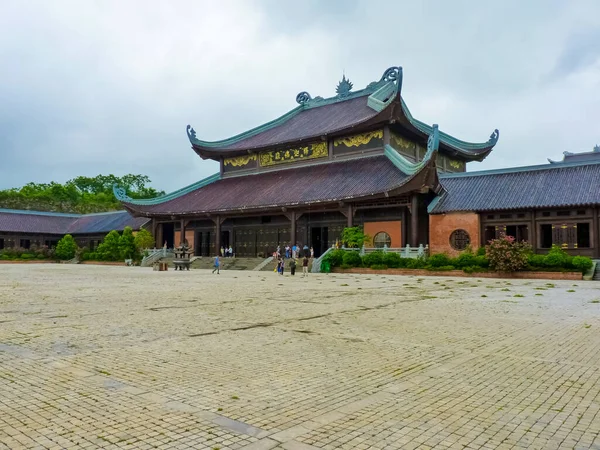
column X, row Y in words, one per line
column 116, row 357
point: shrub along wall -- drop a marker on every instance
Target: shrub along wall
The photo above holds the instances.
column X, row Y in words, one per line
column 557, row 260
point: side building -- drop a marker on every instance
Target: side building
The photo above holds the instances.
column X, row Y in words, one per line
column 23, row 228
column 358, row 158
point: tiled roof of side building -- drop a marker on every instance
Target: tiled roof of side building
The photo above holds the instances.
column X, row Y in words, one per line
column 42, row 222
column 544, row 186
column 315, row 118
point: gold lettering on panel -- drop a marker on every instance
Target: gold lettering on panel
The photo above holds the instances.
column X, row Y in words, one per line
column 358, row 139
column 311, row 151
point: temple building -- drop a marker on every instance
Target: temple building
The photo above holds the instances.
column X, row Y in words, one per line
column 358, row 158
column 21, row 228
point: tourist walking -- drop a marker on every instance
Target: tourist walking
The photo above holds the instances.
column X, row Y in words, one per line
column 287, row 251
column 305, row 267
column 230, row 252
column 306, row 251
column 217, row 265
column 293, row 267
column 282, row 261
column 295, row 251
column 312, row 252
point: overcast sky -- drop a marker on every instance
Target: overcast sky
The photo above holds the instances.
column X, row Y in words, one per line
column 89, row 87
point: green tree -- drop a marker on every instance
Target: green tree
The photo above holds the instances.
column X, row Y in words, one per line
column 66, row 248
column 79, row 195
column 127, row 244
column 354, row 237
column 144, row 240
column 109, row 249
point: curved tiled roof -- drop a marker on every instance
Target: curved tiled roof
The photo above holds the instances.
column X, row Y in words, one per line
column 41, row 222
column 320, row 183
column 318, row 118
column 545, row 186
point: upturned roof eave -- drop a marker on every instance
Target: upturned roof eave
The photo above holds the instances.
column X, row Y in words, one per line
column 469, row 150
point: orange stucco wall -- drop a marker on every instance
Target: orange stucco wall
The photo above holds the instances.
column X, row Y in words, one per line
column 189, row 235
column 393, row 228
column 442, row 225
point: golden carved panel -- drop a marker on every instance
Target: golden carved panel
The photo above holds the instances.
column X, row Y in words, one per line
column 311, row 151
column 358, row 139
column 399, row 142
column 239, row 160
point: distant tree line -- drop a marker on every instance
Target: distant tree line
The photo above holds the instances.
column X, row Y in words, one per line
column 80, row 195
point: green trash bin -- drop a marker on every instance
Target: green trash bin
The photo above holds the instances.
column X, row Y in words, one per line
column 326, row 267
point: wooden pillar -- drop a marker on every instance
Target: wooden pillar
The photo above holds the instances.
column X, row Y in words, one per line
column 182, row 228
column 155, row 234
column 596, row 233
column 403, row 228
column 533, row 233
column 349, row 216
column 414, row 221
column 293, row 228
column 159, row 235
column 218, row 235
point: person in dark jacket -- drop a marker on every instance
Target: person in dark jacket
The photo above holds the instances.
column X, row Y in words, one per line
column 293, row 267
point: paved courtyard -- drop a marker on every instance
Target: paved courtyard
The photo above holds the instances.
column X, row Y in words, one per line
column 115, row 357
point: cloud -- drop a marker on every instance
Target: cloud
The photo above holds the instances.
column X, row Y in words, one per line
column 109, row 86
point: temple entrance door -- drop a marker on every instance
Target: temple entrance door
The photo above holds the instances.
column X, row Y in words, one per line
column 198, row 244
column 225, row 239
column 168, row 230
column 319, row 240
column 205, row 249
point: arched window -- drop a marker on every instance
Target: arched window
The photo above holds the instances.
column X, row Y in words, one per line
column 382, row 239
column 459, row 239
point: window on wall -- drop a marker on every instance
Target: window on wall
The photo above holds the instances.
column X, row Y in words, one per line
column 490, row 234
column 519, row 232
column 382, row 239
column 459, row 239
column 1, row 243
column 583, row 235
column 25, row 243
column 546, row 236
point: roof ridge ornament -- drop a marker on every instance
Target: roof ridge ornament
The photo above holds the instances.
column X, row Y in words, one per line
column 191, row 133
column 121, row 193
column 303, row 97
column 596, row 148
column 344, row 87
column 393, row 73
column 494, row 137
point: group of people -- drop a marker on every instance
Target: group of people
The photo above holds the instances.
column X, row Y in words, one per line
column 227, row 252
column 293, row 253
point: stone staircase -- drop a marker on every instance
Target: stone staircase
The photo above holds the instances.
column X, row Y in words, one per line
column 207, row 262
column 596, row 276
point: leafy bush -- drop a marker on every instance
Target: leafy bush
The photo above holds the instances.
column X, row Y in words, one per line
column 473, row 269
column 27, row 256
column 480, row 251
column 109, row 249
column 345, row 266
column 393, row 260
column 415, row 263
column 127, row 244
column 439, row 260
column 335, row 257
column 556, row 257
column 536, row 260
column 144, row 239
column 379, row 267
column 448, row 267
column 482, row 261
column 373, row 258
column 507, row 255
column 582, row 263
column 352, row 259
column 66, row 248
column 354, row 237
column 465, row 259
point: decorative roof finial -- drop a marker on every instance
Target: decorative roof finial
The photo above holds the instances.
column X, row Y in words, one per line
column 191, row 133
column 596, row 148
column 494, row 137
column 303, row 97
column 344, row 87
